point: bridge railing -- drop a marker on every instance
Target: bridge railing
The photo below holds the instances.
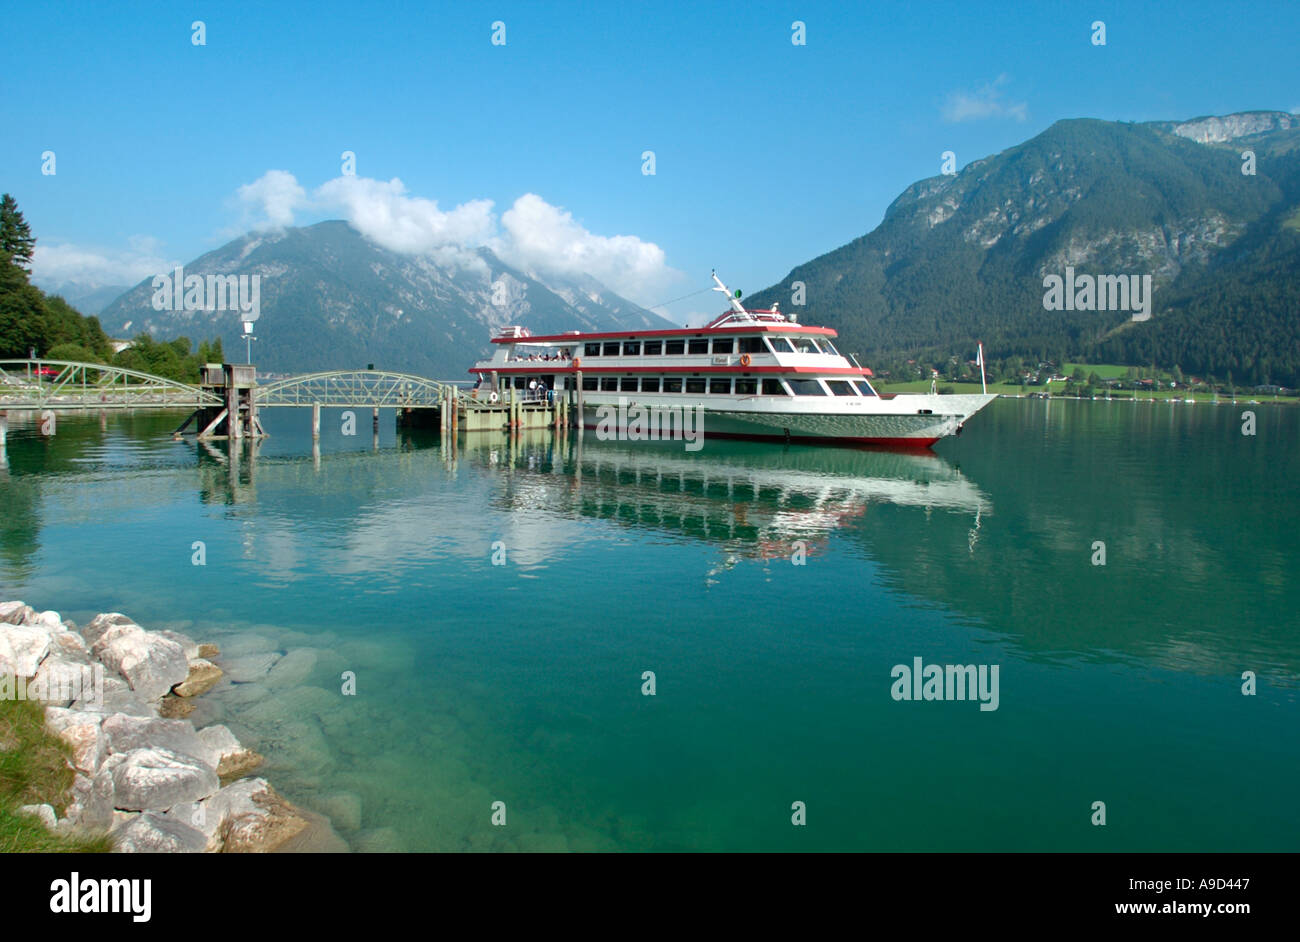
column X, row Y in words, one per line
column 361, row 388
column 64, row 384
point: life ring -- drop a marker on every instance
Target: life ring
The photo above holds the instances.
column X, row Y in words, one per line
column 492, row 397
column 577, row 363
column 745, row 359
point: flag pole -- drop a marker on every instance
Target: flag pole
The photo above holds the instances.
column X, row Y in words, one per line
column 983, row 384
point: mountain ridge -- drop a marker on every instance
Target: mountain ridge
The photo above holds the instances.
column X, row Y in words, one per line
column 331, row 299
column 961, row 258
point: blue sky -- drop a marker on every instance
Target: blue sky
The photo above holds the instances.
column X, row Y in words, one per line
column 767, row 154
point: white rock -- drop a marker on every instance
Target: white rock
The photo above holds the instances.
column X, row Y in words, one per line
column 118, row 698
column 188, row 644
column 61, row 681
column 128, row 733
column 158, row 834
column 84, row 732
column 232, row 757
column 16, row 613
column 69, row 645
column 156, row 779
column 152, row 665
column 220, row 742
column 25, row 646
column 51, row 620
column 101, row 623
column 92, row 801
column 44, row 812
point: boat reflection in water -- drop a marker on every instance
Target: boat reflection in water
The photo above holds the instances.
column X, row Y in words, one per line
column 756, row 500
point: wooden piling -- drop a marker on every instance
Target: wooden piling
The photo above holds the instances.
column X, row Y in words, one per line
column 315, row 422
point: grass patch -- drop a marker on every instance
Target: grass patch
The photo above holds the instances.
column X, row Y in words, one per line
column 1104, row 370
column 34, row 770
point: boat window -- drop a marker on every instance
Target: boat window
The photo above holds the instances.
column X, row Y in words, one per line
column 805, row 345
column 746, row 387
column 773, row 387
column 698, row 346
column 751, row 345
column 611, row 349
column 675, row 347
column 806, row 387
column 520, row 383
column 829, row 347
column 629, row 384
column 609, row 383
column 840, row 387
column 591, row 350
column 631, row 348
column 654, row 348
column 724, row 345
column 695, row 385
column 719, row 386
column 780, row 345
column 650, row 384
column 590, row 382
column 864, row 387
column 672, row 385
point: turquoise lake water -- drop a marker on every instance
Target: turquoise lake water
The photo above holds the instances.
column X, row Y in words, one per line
column 522, row 682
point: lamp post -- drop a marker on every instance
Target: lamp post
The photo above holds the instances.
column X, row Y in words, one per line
column 248, row 339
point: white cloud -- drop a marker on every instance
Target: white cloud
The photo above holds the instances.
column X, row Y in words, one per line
column 987, row 102
column 271, row 200
column 386, row 215
column 542, row 238
column 532, row 235
column 62, row 263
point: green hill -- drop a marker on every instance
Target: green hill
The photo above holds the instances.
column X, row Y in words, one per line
column 962, row 258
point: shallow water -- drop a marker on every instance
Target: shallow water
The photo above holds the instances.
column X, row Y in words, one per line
column 522, row 682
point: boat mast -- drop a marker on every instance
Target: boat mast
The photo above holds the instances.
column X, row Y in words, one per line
column 736, row 306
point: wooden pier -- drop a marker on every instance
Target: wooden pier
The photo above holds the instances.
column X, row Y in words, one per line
column 460, row 412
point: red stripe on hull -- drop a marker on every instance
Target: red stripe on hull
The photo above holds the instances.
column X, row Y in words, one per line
column 893, row 444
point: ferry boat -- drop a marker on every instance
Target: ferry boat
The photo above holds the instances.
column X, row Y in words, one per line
column 757, row 374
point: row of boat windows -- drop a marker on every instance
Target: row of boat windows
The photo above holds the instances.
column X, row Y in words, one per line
column 654, row 348
column 723, row 386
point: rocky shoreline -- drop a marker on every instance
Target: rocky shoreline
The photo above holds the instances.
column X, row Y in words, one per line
column 119, row 696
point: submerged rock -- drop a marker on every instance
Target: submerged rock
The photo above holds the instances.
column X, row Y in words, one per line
column 342, row 808
column 188, row 644
column 172, row 707
column 249, row 667
column 293, row 669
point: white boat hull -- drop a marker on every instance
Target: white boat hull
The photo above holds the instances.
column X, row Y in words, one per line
column 908, row 421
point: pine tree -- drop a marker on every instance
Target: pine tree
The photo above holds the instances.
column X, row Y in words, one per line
column 16, row 239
